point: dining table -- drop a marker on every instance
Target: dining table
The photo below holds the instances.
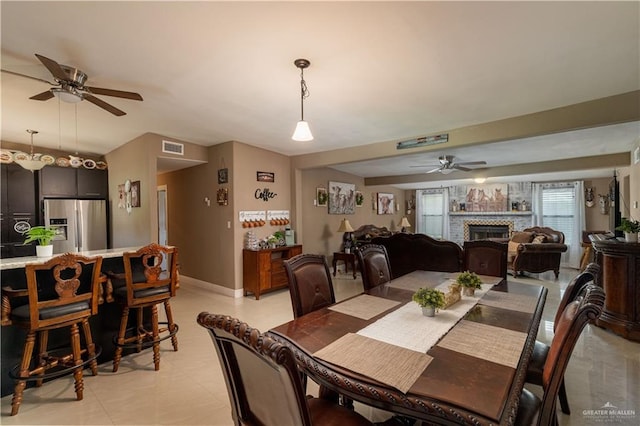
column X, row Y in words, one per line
column 465, row 365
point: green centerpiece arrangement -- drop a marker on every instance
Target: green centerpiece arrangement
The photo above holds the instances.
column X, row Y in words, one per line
column 44, row 236
column 469, row 282
column 630, row 228
column 429, row 299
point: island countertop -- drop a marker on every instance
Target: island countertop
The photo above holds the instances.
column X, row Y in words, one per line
column 20, row 262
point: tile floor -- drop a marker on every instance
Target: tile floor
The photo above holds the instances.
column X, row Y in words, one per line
column 189, row 388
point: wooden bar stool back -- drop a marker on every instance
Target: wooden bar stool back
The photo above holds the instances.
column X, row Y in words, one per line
column 62, row 292
column 150, row 279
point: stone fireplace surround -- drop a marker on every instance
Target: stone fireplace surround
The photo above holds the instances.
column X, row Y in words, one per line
column 459, row 222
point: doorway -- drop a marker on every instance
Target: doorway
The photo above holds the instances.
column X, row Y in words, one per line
column 162, row 215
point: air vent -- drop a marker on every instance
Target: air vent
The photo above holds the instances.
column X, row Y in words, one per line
column 424, row 141
column 173, row 147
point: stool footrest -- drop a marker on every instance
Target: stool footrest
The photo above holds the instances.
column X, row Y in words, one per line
column 55, row 362
column 135, row 338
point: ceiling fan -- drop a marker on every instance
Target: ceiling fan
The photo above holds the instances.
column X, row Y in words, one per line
column 448, row 165
column 70, row 87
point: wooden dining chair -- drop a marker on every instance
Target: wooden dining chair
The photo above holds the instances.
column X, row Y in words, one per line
column 576, row 315
column 541, row 350
column 147, row 282
column 485, row 257
column 62, row 292
column 310, row 285
column 263, row 380
column 374, row 265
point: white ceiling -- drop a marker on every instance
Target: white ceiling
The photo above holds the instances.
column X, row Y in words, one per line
column 211, row 72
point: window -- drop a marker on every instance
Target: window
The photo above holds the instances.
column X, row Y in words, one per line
column 431, row 212
column 558, row 210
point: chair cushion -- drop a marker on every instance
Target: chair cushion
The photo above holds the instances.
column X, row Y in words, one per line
column 121, row 292
column 528, row 409
column 21, row 313
column 536, row 363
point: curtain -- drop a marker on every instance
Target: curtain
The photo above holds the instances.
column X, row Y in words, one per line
column 445, row 214
column 579, row 224
column 536, row 204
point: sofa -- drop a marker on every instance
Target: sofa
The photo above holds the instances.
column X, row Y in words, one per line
column 537, row 249
column 366, row 233
column 412, row 252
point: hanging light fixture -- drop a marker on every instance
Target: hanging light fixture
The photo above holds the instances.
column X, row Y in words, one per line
column 302, row 132
column 32, row 161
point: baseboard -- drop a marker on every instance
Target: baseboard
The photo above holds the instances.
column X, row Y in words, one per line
column 225, row 291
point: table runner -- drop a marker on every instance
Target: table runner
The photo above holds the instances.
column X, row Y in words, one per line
column 388, row 364
column 408, row 328
column 499, row 345
column 415, row 280
column 511, row 301
column 364, row 306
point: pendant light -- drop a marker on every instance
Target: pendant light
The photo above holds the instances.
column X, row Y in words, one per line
column 31, row 162
column 302, row 132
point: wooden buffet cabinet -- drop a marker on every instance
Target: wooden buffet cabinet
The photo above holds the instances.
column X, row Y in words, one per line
column 263, row 270
column 620, row 277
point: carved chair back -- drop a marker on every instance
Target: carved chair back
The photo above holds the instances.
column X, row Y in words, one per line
column 374, row 265
column 485, row 257
column 151, row 274
column 575, row 287
column 310, row 285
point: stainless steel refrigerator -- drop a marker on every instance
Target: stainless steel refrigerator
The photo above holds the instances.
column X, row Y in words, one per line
column 82, row 224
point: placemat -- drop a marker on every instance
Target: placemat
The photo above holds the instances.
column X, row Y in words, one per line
column 511, row 301
column 486, row 279
column 388, row 364
column 415, row 280
column 487, row 342
column 364, row 306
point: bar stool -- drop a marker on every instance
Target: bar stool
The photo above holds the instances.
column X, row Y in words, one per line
column 62, row 292
column 150, row 278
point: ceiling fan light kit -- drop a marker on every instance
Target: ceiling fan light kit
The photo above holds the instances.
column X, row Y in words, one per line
column 302, row 132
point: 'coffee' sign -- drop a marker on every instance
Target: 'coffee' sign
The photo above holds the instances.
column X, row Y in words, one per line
column 264, row 194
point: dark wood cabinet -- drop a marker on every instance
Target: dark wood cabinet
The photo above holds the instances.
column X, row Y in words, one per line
column 263, row 270
column 73, row 183
column 620, row 269
column 19, row 209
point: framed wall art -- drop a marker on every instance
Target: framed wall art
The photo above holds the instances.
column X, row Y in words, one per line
column 223, row 175
column 359, row 199
column 342, row 198
column 321, row 197
column 265, row 176
column 135, row 194
column 386, row 203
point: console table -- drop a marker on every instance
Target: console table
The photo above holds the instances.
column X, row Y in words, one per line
column 263, row 270
column 620, row 272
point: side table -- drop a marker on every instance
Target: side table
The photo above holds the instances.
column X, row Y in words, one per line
column 347, row 258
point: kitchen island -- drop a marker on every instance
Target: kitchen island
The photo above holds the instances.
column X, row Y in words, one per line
column 103, row 326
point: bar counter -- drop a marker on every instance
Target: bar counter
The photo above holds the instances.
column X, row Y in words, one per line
column 103, row 326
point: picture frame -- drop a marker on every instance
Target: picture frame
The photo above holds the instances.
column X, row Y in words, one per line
column 386, row 203
column 359, row 199
column 223, row 175
column 265, row 176
column 322, row 197
column 342, row 198
column 135, row 194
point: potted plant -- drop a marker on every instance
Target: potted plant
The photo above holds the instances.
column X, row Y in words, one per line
column 469, row 282
column 430, row 299
column 630, row 228
column 43, row 235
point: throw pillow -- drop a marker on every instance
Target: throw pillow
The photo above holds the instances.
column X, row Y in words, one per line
column 522, row 237
column 539, row 239
column 513, row 247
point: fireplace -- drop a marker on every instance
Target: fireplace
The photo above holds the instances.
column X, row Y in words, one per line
column 483, row 229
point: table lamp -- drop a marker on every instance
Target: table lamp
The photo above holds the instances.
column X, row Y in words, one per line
column 345, row 227
column 404, row 223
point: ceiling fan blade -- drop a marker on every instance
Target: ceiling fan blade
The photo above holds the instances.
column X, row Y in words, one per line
column 53, row 67
column 111, row 92
column 427, row 165
column 28, row 76
column 102, row 104
column 44, row 96
column 437, row 169
column 459, row 167
column 472, row 163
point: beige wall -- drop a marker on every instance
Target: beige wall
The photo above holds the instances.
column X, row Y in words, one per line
column 596, row 221
column 137, row 161
column 319, row 227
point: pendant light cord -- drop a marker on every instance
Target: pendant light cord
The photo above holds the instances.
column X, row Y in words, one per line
column 304, row 93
